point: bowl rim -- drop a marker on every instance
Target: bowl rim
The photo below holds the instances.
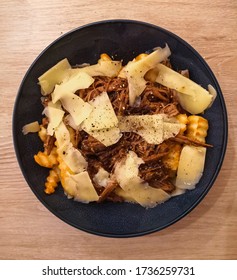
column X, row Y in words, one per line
column 222, row 102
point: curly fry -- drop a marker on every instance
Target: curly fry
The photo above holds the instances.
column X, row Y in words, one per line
column 52, row 181
column 45, row 160
column 197, row 128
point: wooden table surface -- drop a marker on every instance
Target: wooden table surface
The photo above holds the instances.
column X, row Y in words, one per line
column 27, row 229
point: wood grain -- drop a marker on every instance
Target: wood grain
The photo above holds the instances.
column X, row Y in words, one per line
column 27, row 229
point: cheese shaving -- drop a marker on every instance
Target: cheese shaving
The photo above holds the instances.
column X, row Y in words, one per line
column 55, row 115
column 126, row 173
column 78, row 109
column 192, row 97
column 135, row 71
column 102, row 68
column 71, row 156
column 71, row 84
column 55, row 75
column 80, row 187
column 102, row 115
column 108, row 136
column 102, row 123
column 31, row 127
column 153, row 128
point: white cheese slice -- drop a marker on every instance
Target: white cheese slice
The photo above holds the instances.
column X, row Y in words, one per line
column 153, row 128
column 130, row 166
column 101, row 177
column 55, row 115
column 31, row 127
column 68, row 120
column 102, row 115
column 124, row 195
column 170, row 129
column 144, row 194
column 190, row 168
column 62, row 134
column 102, row 123
column 192, row 97
column 172, row 79
column 102, row 68
column 71, row 84
column 135, row 71
column 108, row 136
column 194, row 104
column 177, row 192
column 126, row 173
column 77, row 107
column 53, row 76
column 80, row 187
column 70, row 155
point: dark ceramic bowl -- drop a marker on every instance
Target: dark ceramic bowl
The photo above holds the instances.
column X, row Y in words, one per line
column 123, row 39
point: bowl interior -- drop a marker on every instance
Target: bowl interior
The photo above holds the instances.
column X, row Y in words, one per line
column 122, row 39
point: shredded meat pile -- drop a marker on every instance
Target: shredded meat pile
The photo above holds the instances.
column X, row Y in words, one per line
column 154, row 99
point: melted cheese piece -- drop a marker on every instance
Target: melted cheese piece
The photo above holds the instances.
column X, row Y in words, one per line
column 102, row 115
column 53, row 76
column 126, row 173
column 70, row 155
column 102, row 68
column 80, row 187
column 135, row 71
column 55, row 115
column 153, row 128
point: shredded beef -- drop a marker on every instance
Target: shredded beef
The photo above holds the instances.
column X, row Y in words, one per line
column 154, row 99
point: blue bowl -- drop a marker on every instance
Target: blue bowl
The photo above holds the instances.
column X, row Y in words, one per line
column 122, row 39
